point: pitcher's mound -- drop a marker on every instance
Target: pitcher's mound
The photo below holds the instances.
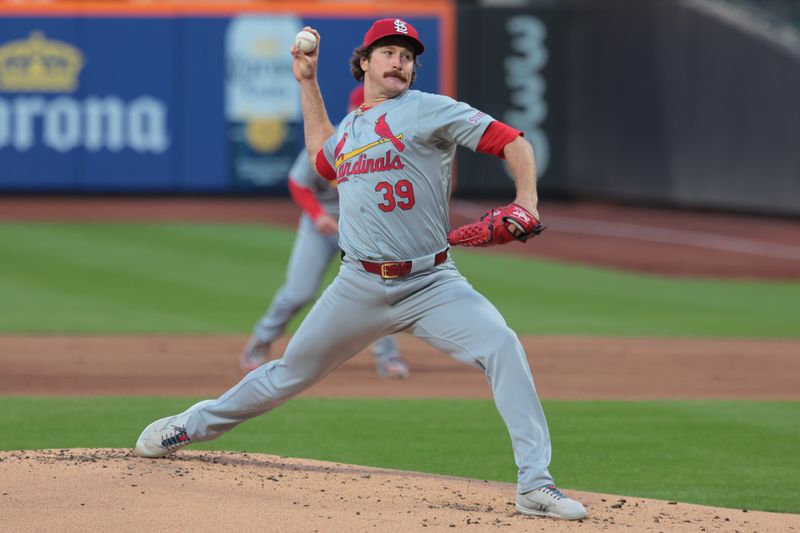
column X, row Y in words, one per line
column 111, row 489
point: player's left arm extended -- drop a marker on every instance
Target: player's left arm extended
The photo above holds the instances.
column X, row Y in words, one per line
column 518, row 221
column 522, row 164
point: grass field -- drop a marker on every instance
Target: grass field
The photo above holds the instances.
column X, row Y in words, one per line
column 115, row 278
column 202, row 278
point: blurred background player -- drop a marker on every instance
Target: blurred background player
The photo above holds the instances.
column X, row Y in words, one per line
column 315, row 246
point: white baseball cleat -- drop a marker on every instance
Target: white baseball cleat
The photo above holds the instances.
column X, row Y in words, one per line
column 392, row 367
column 549, row 501
column 255, row 354
column 165, row 436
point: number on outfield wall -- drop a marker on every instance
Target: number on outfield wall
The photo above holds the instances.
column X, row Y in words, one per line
column 527, row 85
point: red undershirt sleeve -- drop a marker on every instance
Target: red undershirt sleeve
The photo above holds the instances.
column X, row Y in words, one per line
column 496, row 137
column 324, row 168
column 306, row 199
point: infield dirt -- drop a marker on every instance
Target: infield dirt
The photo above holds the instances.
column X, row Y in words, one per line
column 111, row 490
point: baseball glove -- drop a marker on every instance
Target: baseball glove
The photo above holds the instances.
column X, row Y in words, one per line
column 500, row 225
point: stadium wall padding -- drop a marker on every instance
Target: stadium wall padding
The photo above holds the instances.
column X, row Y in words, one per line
column 644, row 101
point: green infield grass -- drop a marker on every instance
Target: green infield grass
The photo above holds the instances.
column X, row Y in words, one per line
column 735, row 454
column 81, row 278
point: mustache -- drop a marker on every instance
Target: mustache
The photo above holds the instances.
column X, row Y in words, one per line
column 395, row 74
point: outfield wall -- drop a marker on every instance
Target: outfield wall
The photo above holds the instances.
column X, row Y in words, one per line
column 117, row 97
column 685, row 104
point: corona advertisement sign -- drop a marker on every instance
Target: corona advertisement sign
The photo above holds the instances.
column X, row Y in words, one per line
column 44, row 73
column 197, row 98
column 39, row 65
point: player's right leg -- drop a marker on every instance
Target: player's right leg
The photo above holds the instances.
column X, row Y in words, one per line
column 311, row 255
column 453, row 317
column 350, row 314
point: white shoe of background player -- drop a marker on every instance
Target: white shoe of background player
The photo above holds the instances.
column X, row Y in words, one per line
column 392, row 366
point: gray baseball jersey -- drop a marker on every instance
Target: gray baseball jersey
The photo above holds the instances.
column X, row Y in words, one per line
column 392, row 164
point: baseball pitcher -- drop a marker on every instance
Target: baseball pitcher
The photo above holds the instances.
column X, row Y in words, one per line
column 391, row 159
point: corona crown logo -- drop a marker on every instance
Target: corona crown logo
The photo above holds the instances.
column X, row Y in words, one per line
column 39, row 65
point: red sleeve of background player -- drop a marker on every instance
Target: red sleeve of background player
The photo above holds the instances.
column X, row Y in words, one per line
column 306, row 199
column 324, row 168
column 496, row 137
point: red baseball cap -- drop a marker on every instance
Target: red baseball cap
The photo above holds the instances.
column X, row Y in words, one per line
column 356, row 97
column 390, row 27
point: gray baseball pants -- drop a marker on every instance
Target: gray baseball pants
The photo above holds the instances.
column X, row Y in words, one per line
column 438, row 306
column 311, row 255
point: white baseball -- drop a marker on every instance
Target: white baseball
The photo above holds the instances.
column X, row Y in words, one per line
column 305, row 41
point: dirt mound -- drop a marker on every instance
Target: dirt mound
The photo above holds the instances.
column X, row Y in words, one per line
column 110, row 489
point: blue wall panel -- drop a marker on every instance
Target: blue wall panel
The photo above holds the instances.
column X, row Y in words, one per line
column 132, row 59
column 148, row 110
column 201, row 163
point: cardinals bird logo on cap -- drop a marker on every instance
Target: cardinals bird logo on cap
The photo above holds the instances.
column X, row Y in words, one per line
column 388, row 27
